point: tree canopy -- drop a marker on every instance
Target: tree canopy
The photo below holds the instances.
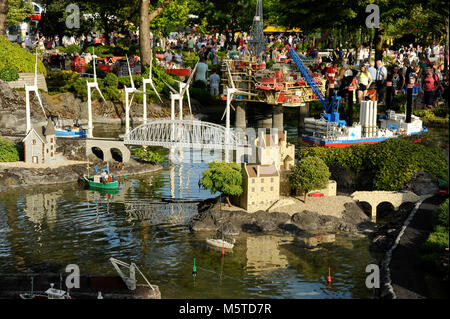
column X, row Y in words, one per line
column 223, row 177
column 309, row 173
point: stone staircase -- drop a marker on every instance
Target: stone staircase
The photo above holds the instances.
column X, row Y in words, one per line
column 28, row 78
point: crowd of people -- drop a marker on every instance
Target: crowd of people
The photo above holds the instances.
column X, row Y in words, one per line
column 420, row 66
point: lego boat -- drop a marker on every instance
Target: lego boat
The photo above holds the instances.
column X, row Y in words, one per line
column 334, row 134
column 50, row 293
column 219, row 243
column 75, row 132
column 104, row 181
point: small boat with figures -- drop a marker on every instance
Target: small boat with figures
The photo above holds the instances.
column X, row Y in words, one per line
column 50, row 293
column 69, row 131
column 103, row 181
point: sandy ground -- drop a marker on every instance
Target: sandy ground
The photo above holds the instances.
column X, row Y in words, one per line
column 333, row 205
column 31, row 165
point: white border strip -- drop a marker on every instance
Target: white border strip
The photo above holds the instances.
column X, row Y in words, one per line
column 388, row 257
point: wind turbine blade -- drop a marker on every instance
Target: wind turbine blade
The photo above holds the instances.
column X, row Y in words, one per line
column 129, row 73
column 246, row 93
column 171, row 88
column 189, row 80
column 154, row 89
column 231, row 78
column 189, row 100
column 40, row 101
column 100, row 92
column 223, row 115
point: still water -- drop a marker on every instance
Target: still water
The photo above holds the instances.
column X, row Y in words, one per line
column 55, row 226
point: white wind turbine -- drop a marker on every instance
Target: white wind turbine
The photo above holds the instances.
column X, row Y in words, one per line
column 179, row 95
column 90, row 86
column 145, row 82
column 230, row 95
column 32, row 88
column 131, row 90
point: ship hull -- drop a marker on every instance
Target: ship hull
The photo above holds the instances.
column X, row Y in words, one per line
column 71, row 134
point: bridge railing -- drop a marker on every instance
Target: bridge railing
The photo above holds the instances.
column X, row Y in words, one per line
column 184, row 133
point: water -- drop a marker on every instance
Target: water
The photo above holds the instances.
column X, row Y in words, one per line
column 56, row 226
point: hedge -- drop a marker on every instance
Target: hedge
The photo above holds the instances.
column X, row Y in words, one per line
column 393, row 162
column 8, row 151
column 13, row 55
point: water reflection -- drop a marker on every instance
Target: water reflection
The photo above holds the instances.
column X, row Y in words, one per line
column 263, row 253
column 42, row 207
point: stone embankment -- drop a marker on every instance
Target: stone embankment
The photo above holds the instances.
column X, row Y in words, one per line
column 212, row 218
column 13, row 176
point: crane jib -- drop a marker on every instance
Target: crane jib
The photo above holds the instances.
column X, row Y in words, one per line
column 329, row 115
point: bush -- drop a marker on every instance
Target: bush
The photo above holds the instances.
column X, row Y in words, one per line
column 9, row 73
column 386, row 160
column 308, row 174
column 62, row 80
column 111, row 80
column 13, row 55
column 72, row 49
column 8, row 151
column 146, row 154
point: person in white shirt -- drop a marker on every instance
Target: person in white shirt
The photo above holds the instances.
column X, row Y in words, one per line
column 168, row 56
column 178, row 57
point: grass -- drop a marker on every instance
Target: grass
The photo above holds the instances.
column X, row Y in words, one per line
column 435, row 249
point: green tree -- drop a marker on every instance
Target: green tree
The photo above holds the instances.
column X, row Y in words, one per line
column 19, row 10
column 223, row 177
column 308, row 174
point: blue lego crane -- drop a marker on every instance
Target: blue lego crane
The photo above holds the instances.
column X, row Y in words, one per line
column 331, row 110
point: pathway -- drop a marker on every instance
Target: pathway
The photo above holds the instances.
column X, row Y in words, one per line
column 408, row 278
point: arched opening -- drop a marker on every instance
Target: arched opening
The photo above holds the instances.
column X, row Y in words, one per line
column 98, row 152
column 366, row 208
column 117, row 155
column 385, row 212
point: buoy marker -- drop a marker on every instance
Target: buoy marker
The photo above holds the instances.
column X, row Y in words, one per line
column 194, row 269
column 329, row 275
column 223, row 248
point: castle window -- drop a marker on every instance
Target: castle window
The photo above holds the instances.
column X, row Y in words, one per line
column 253, row 189
column 271, row 180
column 47, row 150
column 262, row 180
column 51, row 140
column 271, row 189
column 51, row 147
column 253, row 181
column 262, row 189
column 34, row 142
column 51, row 154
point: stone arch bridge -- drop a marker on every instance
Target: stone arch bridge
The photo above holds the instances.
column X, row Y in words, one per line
column 374, row 198
column 106, row 146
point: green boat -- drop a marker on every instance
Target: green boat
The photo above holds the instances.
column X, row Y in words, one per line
column 96, row 182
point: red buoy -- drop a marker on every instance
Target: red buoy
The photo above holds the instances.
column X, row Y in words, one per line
column 329, row 274
column 223, row 248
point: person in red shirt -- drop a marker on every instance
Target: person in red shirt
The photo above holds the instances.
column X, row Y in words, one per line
column 331, row 74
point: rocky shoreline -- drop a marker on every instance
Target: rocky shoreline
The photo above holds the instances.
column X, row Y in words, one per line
column 211, row 218
column 14, row 177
